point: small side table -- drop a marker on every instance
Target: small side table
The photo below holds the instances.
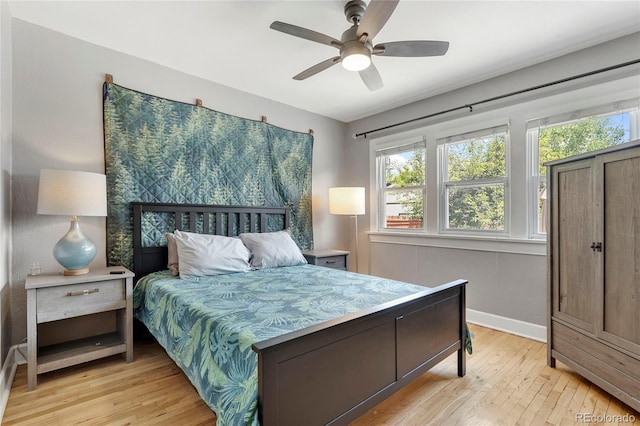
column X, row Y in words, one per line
column 55, row 298
column 336, row 259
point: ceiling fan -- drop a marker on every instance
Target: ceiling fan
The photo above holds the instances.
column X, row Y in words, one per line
column 356, row 44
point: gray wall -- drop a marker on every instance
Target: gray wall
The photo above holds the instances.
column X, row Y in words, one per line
column 5, row 181
column 508, row 285
column 55, row 119
column 57, row 123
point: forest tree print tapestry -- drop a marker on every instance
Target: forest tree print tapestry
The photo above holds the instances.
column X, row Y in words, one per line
column 158, row 150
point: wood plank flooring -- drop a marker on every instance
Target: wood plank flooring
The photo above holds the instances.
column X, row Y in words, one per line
column 507, row 383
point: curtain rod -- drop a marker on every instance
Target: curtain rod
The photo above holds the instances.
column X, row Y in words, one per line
column 495, row 98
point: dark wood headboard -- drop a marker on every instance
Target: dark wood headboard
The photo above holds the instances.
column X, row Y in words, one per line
column 204, row 219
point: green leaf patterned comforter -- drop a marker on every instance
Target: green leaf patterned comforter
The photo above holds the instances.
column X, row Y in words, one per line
column 207, row 325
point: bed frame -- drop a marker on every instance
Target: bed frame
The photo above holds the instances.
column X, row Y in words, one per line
column 335, row 371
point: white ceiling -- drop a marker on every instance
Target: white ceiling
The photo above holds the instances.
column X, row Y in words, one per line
column 229, row 42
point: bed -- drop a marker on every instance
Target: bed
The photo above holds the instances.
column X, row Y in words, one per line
column 293, row 367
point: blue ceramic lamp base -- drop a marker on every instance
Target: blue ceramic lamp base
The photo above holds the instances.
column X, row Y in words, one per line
column 75, row 251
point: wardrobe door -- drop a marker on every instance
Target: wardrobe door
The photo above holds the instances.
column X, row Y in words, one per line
column 573, row 277
column 619, row 192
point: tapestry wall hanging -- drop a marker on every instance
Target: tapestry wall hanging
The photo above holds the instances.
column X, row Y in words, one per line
column 158, row 150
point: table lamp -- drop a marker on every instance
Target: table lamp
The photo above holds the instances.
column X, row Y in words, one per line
column 73, row 193
column 348, row 201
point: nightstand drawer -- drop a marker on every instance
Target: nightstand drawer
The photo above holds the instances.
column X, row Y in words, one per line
column 74, row 300
column 336, row 262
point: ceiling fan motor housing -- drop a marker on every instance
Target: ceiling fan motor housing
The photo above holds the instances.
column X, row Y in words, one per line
column 353, row 48
column 355, row 56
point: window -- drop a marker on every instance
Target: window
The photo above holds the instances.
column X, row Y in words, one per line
column 402, row 186
column 474, row 181
column 484, row 181
column 562, row 136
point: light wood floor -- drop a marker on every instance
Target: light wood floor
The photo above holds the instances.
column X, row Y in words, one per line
column 507, row 383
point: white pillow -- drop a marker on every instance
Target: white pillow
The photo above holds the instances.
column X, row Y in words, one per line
column 172, row 255
column 202, row 254
column 272, row 249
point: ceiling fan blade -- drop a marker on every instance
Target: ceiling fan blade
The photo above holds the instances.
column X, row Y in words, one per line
column 305, row 33
column 375, row 16
column 317, row 68
column 371, row 77
column 416, row 48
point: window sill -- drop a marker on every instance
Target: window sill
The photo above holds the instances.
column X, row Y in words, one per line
column 462, row 242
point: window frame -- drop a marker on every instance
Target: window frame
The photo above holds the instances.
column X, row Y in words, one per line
column 533, row 183
column 382, row 190
column 444, row 184
column 532, row 134
column 517, row 115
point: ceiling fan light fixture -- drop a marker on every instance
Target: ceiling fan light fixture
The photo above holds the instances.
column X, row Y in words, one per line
column 356, row 43
column 356, row 62
column 356, row 57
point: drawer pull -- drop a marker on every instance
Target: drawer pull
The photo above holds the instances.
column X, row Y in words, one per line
column 83, row 292
column 330, row 261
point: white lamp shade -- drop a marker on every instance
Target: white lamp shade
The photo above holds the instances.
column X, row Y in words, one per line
column 72, row 193
column 346, row 200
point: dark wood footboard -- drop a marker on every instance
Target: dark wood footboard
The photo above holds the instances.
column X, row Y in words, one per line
column 334, row 372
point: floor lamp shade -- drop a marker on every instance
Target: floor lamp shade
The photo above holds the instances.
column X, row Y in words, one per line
column 73, row 193
column 348, row 200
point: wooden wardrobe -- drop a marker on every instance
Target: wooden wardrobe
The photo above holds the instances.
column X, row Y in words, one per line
column 594, row 268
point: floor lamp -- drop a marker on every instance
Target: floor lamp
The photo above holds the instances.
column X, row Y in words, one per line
column 348, row 201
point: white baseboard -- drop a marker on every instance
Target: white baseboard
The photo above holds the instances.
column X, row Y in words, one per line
column 20, row 353
column 508, row 325
column 14, row 358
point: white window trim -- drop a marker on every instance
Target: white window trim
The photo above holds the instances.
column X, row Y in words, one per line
column 532, row 134
column 462, row 242
column 380, row 181
column 519, row 240
column 533, row 183
column 444, row 184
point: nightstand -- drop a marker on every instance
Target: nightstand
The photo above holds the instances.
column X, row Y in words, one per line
column 98, row 305
column 336, row 259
